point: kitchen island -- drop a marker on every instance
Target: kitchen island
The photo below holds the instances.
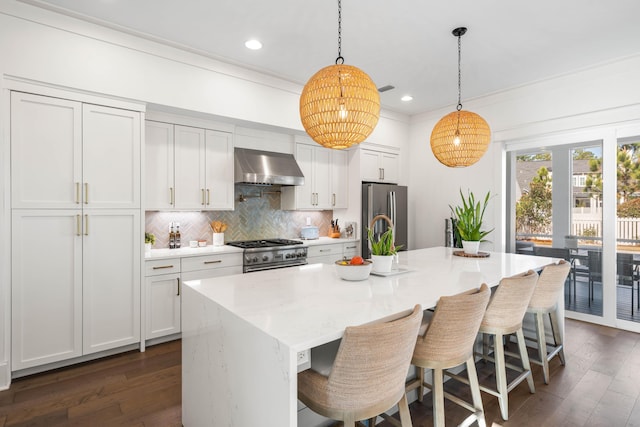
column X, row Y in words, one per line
column 242, row 334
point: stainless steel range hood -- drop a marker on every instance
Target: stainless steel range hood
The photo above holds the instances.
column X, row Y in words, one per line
column 266, row 168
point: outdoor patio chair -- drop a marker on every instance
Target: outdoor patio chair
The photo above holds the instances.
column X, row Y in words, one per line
column 594, row 261
column 628, row 275
column 561, row 253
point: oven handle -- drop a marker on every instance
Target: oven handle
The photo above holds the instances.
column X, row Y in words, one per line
column 273, row 267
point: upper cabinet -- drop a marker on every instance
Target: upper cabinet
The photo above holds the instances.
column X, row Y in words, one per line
column 379, row 166
column 66, row 153
column 325, row 175
column 188, row 168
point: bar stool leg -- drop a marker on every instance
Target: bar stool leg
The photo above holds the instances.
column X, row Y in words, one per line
column 542, row 346
column 501, row 376
column 525, row 359
column 557, row 336
column 405, row 416
column 421, row 386
column 475, row 390
column 437, row 392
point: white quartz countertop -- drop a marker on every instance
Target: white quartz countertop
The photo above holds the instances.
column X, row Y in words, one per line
column 307, row 306
column 326, row 241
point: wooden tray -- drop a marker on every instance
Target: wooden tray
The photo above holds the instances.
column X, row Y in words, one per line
column 466, row 255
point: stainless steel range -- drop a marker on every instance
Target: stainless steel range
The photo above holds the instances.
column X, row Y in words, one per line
column 271, row 253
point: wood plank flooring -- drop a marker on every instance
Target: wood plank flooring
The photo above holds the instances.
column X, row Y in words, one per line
column 599, row 386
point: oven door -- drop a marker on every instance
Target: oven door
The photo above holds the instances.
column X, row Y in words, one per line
column 262, row 267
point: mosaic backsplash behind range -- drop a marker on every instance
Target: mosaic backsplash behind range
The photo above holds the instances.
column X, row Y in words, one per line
column 255, row 218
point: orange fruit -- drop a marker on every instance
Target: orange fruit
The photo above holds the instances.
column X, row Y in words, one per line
column 356, row 260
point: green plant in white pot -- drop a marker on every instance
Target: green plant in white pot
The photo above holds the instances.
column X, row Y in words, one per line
column 469, row 218
column 383, row 249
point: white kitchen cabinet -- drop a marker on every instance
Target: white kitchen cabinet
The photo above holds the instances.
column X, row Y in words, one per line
column 65, row 153
column 159, row 166
column 339, row 179
column 163, row 287
column 46, row 151
column 351, row 249
column 110, row 279
column 110, row 157
column 379, row 166
column 325, row 176
column 76, row 229
column 325, row 254
column 162, row 297
column 188, row 168
column 46, row 287
column 75, row 283
column 213, row 265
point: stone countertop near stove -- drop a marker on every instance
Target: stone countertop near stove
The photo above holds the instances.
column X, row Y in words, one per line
column 187, row 252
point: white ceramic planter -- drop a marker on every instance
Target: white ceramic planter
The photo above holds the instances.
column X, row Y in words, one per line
column 147, row 248
column 382, row 263
column 470, row 247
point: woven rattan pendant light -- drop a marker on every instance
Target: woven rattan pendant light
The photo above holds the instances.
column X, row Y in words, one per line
column 340, row 104
column 460, row 138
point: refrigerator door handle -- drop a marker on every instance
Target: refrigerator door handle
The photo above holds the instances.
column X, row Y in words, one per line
column 392, row 196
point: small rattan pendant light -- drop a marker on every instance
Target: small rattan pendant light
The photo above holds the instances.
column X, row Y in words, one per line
column 460, row 138
column 340, row 104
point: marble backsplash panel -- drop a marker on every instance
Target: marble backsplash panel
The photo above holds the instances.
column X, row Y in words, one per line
column 255, row 218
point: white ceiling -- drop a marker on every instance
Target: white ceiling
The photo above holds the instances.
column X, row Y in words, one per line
column 404, row 43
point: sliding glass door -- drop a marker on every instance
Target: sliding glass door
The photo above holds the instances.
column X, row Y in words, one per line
column 558, row 213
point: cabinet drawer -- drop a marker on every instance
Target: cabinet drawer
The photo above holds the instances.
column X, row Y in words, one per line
column 207, row 262
column 162, row 266
column 351, row 249
column 323, row 250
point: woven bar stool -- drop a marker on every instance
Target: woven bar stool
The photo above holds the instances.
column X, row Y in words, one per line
column 504, row 317
column 545, row 301
column 368, row 374
column 448, row 343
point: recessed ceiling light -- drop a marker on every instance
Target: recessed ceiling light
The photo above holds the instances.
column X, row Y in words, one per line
column 406, row 98
column 253, row 44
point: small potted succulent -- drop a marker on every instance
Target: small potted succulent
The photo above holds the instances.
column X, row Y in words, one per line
column 468, row 221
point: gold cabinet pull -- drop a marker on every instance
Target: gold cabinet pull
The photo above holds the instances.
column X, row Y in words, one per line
column 202, row 196
column 178, row 293
column 208, row 197
column 160, row 267
column 86, row 225
column 78, row 225
column 77, row 193
column 171, row 196
column 333, row 199
column 86, row 193
column 218, row 261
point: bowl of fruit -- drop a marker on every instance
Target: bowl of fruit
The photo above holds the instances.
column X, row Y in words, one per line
column 353, row 269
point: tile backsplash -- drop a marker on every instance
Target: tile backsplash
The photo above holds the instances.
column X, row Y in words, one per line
column 255, row 218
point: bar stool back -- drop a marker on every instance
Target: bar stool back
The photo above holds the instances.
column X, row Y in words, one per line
column 545, row 301
column 448, row 343
column 504, row 317
column 368, row 375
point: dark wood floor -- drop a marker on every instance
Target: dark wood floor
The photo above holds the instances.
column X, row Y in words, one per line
column 599, row 386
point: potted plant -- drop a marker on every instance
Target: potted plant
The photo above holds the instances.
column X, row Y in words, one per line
column 468, row 221
column 382, row 249
column 149, row 240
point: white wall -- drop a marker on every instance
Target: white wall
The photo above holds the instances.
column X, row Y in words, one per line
column 605, row 94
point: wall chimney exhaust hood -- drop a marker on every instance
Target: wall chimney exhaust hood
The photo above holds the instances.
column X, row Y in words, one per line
column 266, row 168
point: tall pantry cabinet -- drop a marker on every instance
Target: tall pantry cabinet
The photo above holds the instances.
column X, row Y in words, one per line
column 75, row 199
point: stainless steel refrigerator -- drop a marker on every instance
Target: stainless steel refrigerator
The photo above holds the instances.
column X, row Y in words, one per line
column 384, row 199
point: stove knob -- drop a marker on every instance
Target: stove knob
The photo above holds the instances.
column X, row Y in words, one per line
column 287, row 256
column 299, row 254
column 265, row 258
column 255, row 259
